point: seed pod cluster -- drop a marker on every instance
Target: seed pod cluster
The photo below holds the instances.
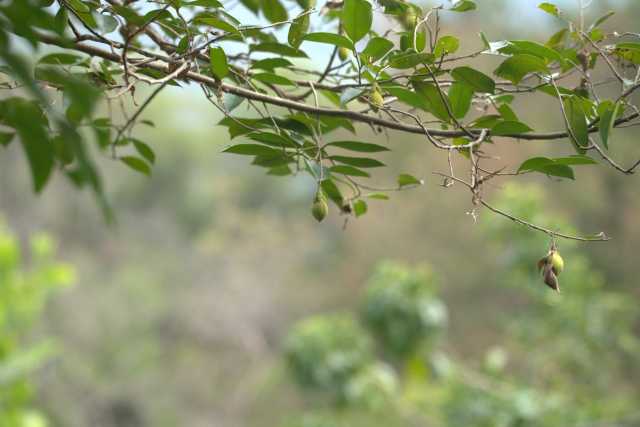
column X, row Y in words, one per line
column 551, row 266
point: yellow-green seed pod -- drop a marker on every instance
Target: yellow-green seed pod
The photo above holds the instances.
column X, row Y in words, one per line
column 376, row 99
column 343, row 54
column 319, row 209
column 557, row 262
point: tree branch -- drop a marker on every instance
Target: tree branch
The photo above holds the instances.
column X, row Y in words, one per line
column 298, row 106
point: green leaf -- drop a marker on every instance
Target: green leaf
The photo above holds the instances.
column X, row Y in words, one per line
column 504, row 99
column 31, row 125
column 269, row 64
column 551, row 91
column 629, row 51
column 252, row 150
column 446, row 45
column 360, row 162
column 557, row 39
column 562, row 171
column 480, row 82
column 433, row 100
column 377, row 47
column 272, row 139
column 332, row 191
column 357, row 17
column 363, row 147
column 550, row 8
column 596, row 35
column 281, row 49
column 252, row 5
column 577, row 122
column 145, row 151
column 306, row 4
column 329, row 38
column 231, row 101
column 5, row 138
column 409, row 97
column 60, row 59
column 575, row 160
column 515, row 47
column 215, row 22
column 485, row 41
column 603, row 18
column 460, row 96
column 463, row 6
column 534, row 163
column 486, row 122
column 274, row 11
column 183, row 45
column 377, row 196
column 203, row 3
column 420, row 40
column 136, row 164
column 331, row 96
column 509, row 128
column 518, row 66
column 507, row 113
column 218, row 59
column 128, row 14
column 349, row 170
column 272, row 78
column 409, row 60
column 408, row 180
column 359, row 208
column 607, row 111
column 548, row 167
column 298, row 29
column 83, row 12
column 281, row 170
column 270, row 161
column 157, row 15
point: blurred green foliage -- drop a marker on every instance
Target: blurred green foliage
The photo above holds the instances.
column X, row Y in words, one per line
column 401, row 309
column 26, row 280
column 565, row 360
column 326, row 352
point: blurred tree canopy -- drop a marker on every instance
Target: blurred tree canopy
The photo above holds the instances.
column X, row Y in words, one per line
column 391, row 67
column 561, row 362
column 26, row 280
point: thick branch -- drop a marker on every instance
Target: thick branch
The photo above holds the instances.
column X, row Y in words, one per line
column 298, row 106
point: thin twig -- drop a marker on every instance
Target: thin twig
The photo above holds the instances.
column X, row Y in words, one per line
column 601, row 237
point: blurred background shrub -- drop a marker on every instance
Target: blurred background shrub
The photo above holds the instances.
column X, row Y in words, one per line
column 27, row 277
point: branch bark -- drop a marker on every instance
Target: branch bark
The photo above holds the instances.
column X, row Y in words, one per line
column 302, row 107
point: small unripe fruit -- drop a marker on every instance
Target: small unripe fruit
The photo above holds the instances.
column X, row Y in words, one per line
column 376, row 99
column 319, row 209
column 344, row 53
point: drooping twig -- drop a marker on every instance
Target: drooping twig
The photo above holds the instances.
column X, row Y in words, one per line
column 601, row 237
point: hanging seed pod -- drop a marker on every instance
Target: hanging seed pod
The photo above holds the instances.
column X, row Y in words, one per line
column 551, row 266
column 376, row 99
column 319, row 209
column 343, row 54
